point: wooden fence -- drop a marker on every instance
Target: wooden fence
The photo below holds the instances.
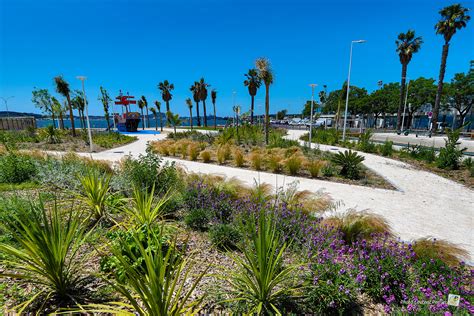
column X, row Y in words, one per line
column 17, row 123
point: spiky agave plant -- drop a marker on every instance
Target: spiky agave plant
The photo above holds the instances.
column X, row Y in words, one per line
column 349, row 161
column 146, row 209
column 95, row 192
column 261, row 279
column 46, row 254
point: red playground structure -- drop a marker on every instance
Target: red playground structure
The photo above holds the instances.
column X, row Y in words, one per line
column 128, row 121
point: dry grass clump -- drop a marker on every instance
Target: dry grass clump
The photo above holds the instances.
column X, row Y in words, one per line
column 294, row 163
column 447, row 252
column 274, row 160
column 307, row 201
column 314, row 167
column 358, row 225
column 238, row 157
column 223, row 153
column 256, row 159
column 162, row 147
column 183, row 145
column 193, row 150
column 206, row 156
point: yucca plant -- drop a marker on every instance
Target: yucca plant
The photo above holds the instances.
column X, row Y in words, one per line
column 46, row 255
column 146, row 209
column 260, row 279
column 158, row 287
column 94, row 192
column 50, row 135
column 349, row 161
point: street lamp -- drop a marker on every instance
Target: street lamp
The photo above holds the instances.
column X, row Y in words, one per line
column 233, row 104
column 405, row 105
column 6, row 103
column 348, row 88
column 82, row 78
column 312, row 85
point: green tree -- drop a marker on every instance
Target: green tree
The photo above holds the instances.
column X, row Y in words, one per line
column 203, row 96
column 213, row 98
column 407, row 44
column 105, row 100
column 384, row 100
column 62, row 87
column 253, row 82
column 59, row 110
column 78, row 104
column 165, row 87
column 266, row 74
column 460, row 94
column 197, row 97
column 189, row 103
column 141, row 105
column 158, row 107
column 43, row 100
column 155, row 114
column 453, row 18
column 421, row 91
column 280, row 115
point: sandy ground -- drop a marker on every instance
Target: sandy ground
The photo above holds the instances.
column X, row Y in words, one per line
column 424, row 204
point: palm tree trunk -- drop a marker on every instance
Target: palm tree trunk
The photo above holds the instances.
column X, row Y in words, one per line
column 215, row 119
column 205, row 115
column 71, row 115
column 251, row 108
column 167, row 106
column 442, row 70
column 402, row 94
column 54, row 120
column 197, row 113
column 191, row 118
column 143, row 120
column 267, row 112
column 147, row 118
column 161, row 121
column 61, row 120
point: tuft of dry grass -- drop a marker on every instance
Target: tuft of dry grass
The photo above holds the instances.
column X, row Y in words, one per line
column 314, row 167
column 223, row 153
column 294, row 163
column 238, row 157
column 193, row 151
column 206, row 156
column 274, row 160
column 431, row 248
column 256, row 159
column 162, row 147
column 183, row 145
column 358, row 225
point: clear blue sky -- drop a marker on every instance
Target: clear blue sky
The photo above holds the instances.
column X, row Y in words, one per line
column 133, row 45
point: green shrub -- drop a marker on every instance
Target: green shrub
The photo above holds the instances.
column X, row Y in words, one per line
column 50, row 135
column 111, row 139
column 364, row 143
column 224, row 236
column 386, row 149
column 16, row 168
column 328, row 170
column 349, row 161
column 450, row 155
column 197, row 219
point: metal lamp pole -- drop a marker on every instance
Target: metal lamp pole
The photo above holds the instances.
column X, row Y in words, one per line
column 348, row 88
column 312, row 85
column 82, row 78
column 405, row 105
column 6, row 104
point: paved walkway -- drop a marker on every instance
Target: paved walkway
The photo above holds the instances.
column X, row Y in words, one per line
column 424, row 204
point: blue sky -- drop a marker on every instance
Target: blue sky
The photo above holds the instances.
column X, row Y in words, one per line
column 133, row 45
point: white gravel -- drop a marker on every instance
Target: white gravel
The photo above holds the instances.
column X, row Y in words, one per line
column 424, row 204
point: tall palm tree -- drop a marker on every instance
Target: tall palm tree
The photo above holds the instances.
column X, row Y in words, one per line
column 78, row 104
column 173, row 119
column 453, row 18
column 145, row 104
column 407, row 44
column 165, row 87
column 158, row 107
column 213, row 98
column 57, row 108
column 141, row 105
column 155, row 114
column 203, row 96
column 266, row 74
column 253, row 82
column 189, row 103
column 62, row 87
column 197, row 97
column 105, row 99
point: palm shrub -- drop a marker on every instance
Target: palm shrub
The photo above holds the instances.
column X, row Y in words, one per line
column 450, row 155
column 349, row 161
column 47, row 254
column 260, row 279
column 94, row 192
column 160, row 285
column 50, row 134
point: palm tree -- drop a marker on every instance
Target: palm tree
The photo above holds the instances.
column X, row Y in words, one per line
column 265, row 73
column 253, row 82
column 62, row 87
column 59, row 110
column 453, row 18
column 165, row 87
column 141, row 105
column 203, row 96
column 197, row 97
column 105, row 99
column 78, row 104
column 189, row 103
column 213, row 98
column 173, row 119
column 158, row 107
column 155, row 114
column 145, row 103
column 407, row 44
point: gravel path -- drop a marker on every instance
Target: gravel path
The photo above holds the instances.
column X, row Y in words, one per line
column 424, row 204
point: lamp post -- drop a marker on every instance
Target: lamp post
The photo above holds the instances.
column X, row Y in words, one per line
column 5, row 100
column 348, row 88
column 405, row 105
column 233, row 105
column 312, row 85
column 82, row 78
